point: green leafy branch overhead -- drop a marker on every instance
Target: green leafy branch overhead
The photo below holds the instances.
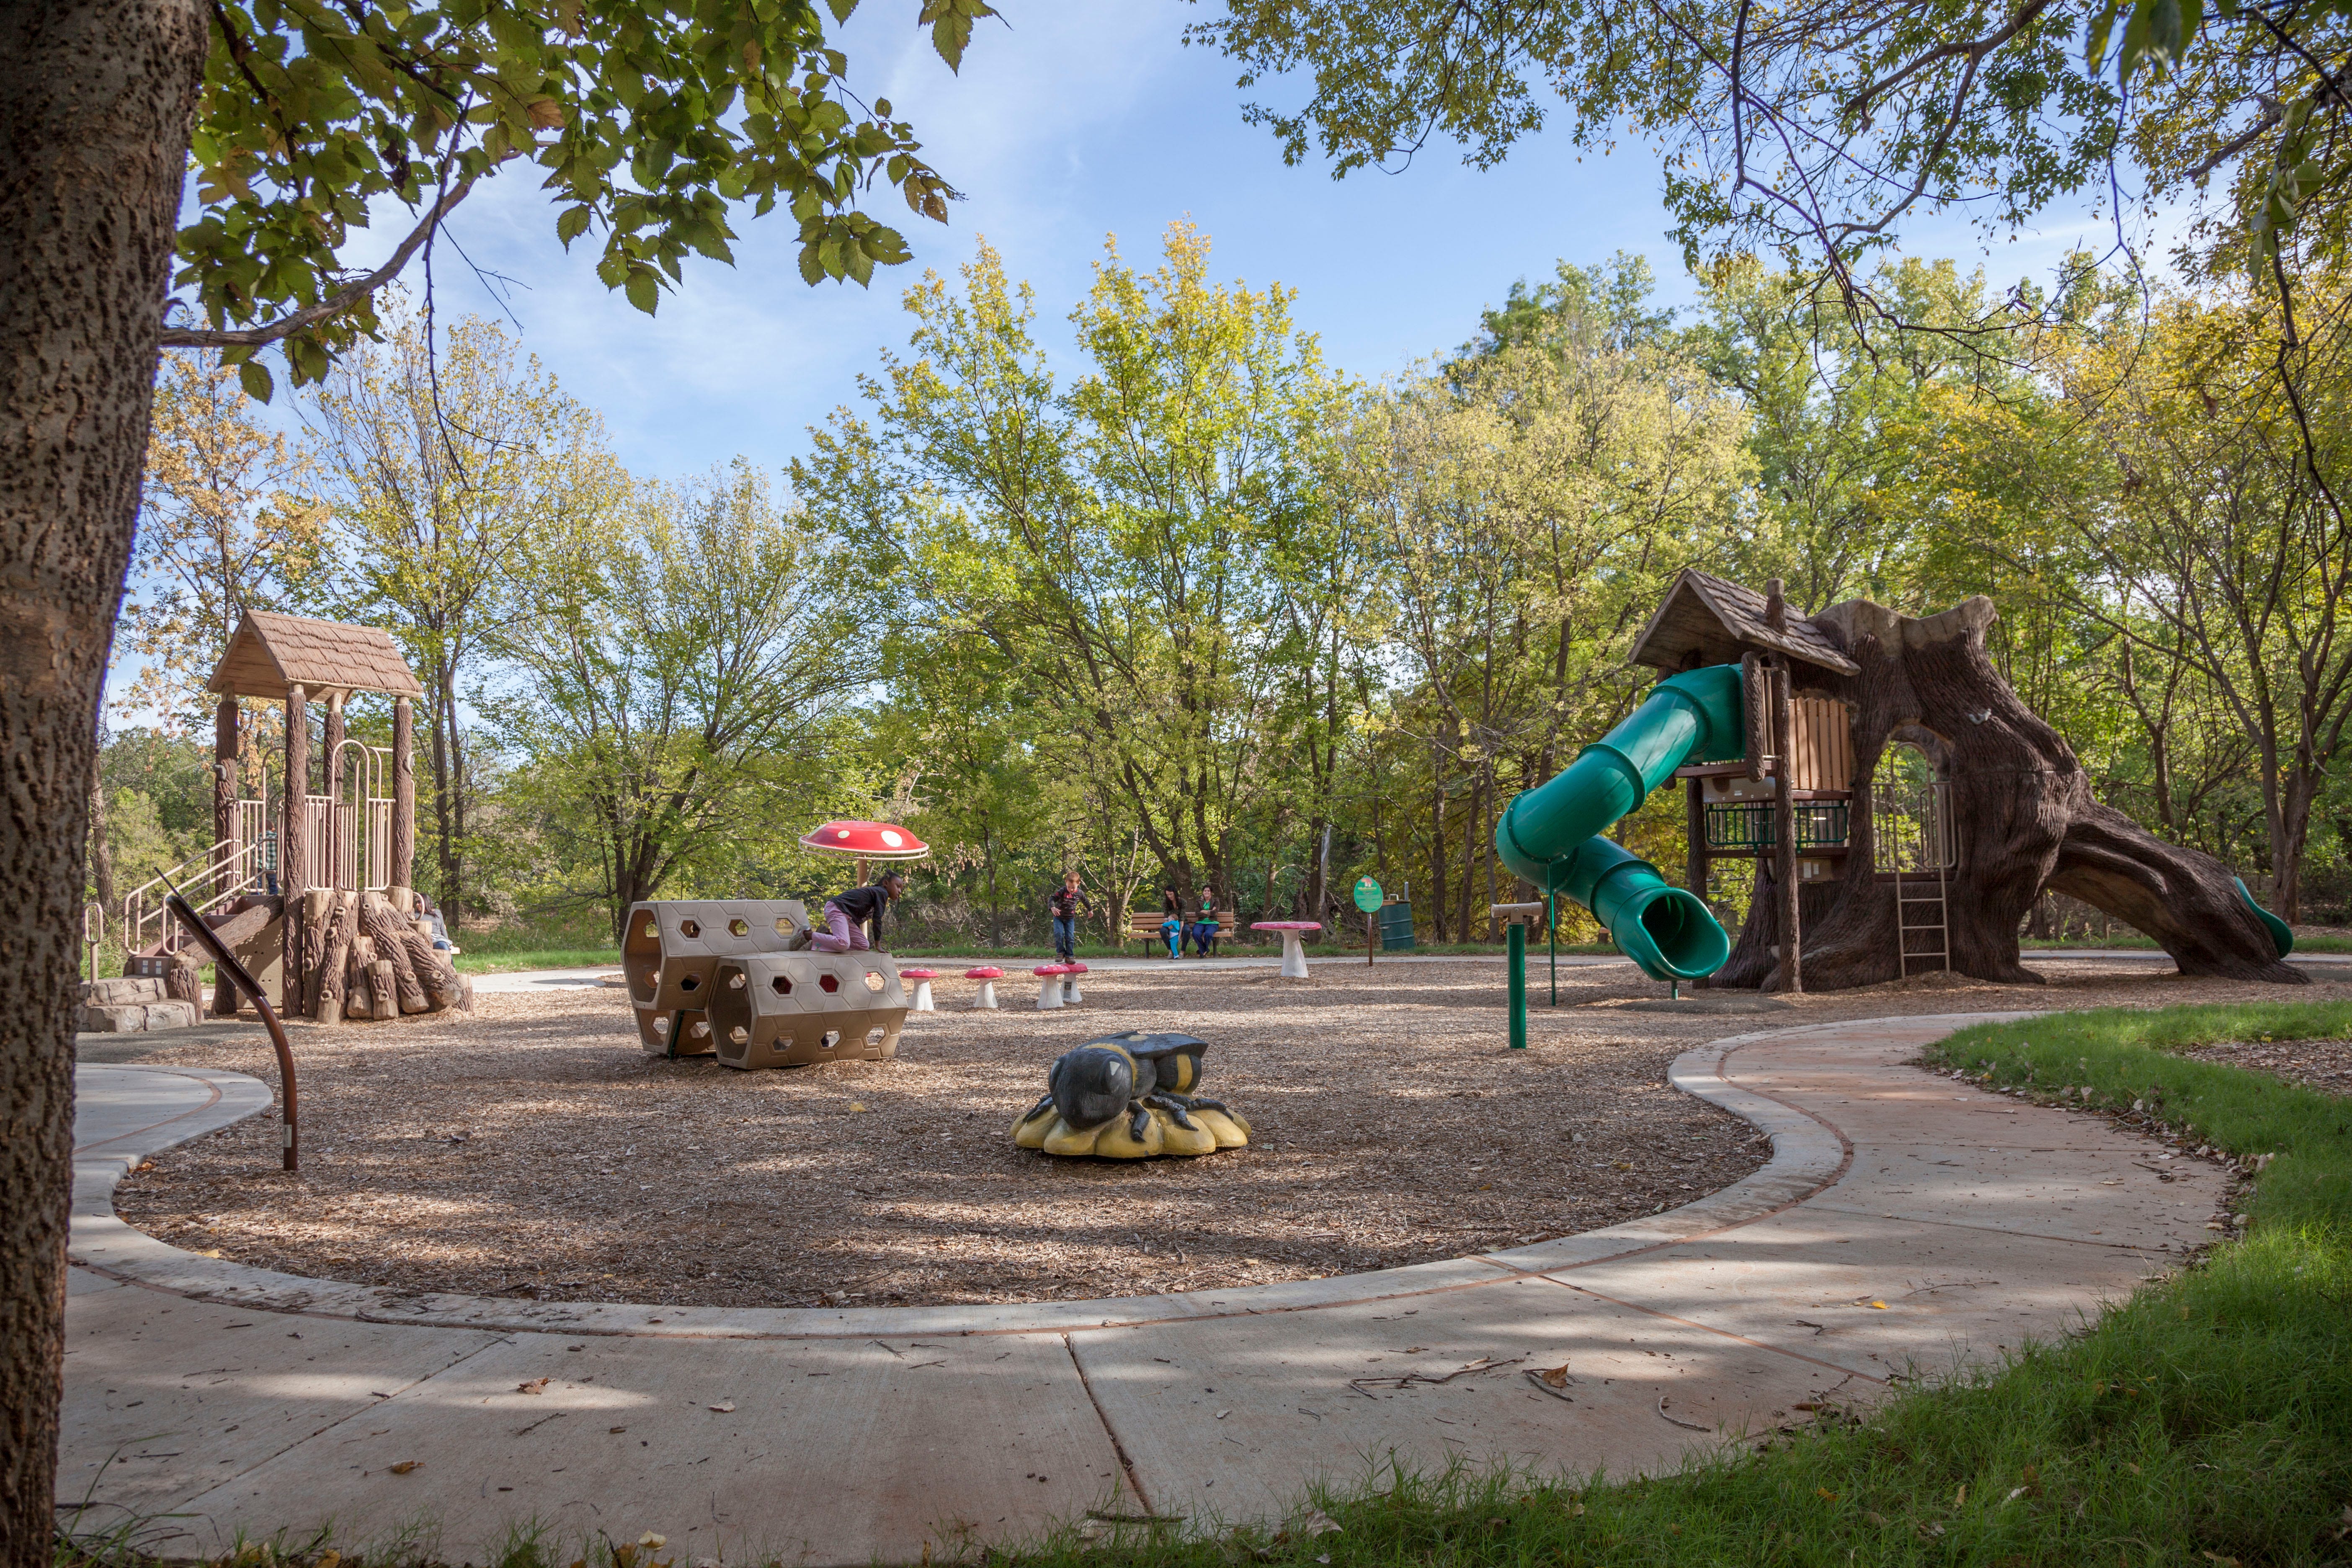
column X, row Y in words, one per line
column 651, row 120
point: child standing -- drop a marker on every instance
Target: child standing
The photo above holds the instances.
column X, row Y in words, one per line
column 1067, row 903
column 1172, row 922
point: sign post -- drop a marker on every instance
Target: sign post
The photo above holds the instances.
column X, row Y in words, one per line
column 1368, row 899
column 1517, row 938
column 1551, row 935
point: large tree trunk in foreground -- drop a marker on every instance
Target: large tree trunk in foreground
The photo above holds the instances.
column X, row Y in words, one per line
column 2021, row 813
column 95, row 101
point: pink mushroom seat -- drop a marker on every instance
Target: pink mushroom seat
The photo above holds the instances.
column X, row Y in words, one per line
column 1294, row 956
column 988, row 975
column 923, row 979
column 1050, row 979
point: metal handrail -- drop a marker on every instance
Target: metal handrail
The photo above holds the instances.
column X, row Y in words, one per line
column 218, row 875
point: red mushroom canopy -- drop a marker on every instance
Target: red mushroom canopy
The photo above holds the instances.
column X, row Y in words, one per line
column 869, row 840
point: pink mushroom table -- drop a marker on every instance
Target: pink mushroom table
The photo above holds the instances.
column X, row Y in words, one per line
column 1294, row 957
column 1049, row 983
column 988, row 975
column 923, row 979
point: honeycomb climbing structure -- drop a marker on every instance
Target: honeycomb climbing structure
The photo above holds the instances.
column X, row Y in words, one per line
column 671, row 951
column 792, row 1009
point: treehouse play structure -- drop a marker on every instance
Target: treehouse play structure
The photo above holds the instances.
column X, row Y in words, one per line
column 1901, row 807
column 309, row 885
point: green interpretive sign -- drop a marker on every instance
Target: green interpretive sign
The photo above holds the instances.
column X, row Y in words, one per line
column 1367, row 894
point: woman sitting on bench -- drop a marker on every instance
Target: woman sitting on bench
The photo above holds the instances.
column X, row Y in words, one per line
column 1205, row 930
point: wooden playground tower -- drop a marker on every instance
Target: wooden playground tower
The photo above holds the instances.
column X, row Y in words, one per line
column 1903, row 808
column 339, row 838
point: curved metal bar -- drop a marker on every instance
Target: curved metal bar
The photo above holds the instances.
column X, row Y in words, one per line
column 243, row 979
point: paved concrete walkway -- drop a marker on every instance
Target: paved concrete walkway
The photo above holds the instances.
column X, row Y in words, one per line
column 1904, row 1221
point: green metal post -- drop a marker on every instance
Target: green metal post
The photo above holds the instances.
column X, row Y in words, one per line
column 1518, row 940
column 1552, row 940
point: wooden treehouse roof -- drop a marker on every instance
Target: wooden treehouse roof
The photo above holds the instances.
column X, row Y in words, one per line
column 271, row 653
column 1719, row 621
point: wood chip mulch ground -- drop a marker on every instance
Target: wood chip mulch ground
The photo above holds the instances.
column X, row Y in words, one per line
column 533, row 1149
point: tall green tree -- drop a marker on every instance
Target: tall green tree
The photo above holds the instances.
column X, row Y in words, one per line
column 689, row 666
column 1534, row 496
column 1139, row 512
column 442, row 460
column 229, row 526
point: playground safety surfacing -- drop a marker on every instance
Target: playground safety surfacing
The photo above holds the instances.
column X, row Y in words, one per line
column 1905, row 1221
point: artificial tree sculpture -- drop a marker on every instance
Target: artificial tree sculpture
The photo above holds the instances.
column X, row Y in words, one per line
column 2022, row 816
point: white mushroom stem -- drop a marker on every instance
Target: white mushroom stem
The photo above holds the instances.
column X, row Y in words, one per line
column 1294, row 957
column 986, row 1001
column 922, row 1003
column 1049, row 991
column 1070, row 989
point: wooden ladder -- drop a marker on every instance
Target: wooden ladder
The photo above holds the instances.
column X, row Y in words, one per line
column 1905, row 928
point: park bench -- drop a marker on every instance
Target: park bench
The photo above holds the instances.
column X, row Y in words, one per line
column 1143, row 926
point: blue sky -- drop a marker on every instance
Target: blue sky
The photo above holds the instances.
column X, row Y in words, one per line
column 1078, row 120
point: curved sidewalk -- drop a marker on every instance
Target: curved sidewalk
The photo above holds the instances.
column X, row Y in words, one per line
column 1904, row 1219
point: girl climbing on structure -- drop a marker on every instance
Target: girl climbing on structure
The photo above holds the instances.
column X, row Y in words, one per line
column 843, row 926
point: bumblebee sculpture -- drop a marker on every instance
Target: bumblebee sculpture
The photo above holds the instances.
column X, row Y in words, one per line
column 1126, row 1097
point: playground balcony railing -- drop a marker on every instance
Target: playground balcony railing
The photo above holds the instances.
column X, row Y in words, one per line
column 1734, row 826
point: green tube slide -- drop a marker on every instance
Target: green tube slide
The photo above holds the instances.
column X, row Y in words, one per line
column 2282, row 933
column 1550, row 835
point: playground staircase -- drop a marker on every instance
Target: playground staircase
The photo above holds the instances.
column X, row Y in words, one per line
column 210, row 880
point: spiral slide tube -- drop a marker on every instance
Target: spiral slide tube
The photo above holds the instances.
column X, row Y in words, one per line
column 1550, row 834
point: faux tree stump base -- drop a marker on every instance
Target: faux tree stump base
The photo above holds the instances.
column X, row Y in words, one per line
column 2022, row 816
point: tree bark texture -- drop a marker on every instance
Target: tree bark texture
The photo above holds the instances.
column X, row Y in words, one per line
column 225, row 749
column 359, row 992
column 294, row 843
column 389, row 930
column 2021, row 815
column 335, row 957
column 330, row 786
column 242, row 922
column 318, row 912
column 95, row 103
column 404, row 794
